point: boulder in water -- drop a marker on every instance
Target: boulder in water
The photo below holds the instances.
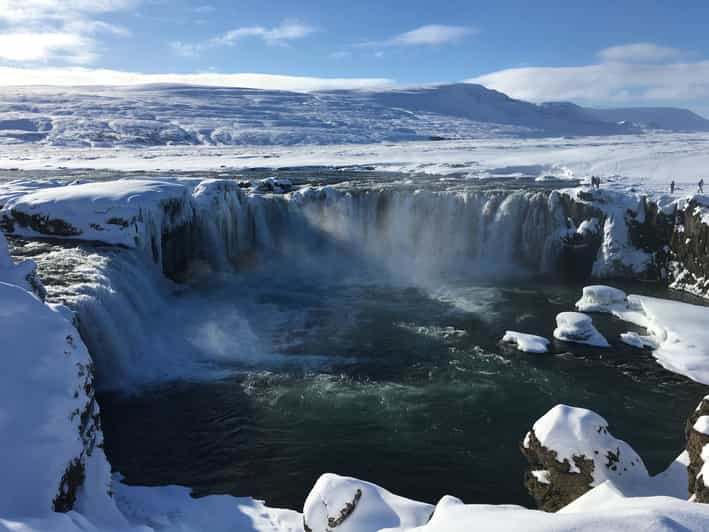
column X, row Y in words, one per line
column 570, row 451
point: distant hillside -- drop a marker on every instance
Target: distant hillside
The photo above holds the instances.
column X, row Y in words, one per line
column 668, row 118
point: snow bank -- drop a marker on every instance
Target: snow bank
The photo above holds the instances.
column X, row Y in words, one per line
column 352, row 505
column 47, row 409
column 676, row 331
column 529, row 343
column 681, row 333
column 661, row 514
column 578, row 328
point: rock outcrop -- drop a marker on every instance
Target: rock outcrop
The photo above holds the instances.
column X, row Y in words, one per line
column 570, row 451
column 697, row 434
column 690, row 248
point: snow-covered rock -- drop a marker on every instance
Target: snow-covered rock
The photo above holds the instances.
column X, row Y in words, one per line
column 600, row 298
column 576, row 452
column 697, row 435
column 351, row 505
column 578, row 328
column 529, row 343
column 127, row 212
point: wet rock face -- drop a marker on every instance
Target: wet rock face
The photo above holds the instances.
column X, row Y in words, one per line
column 697, row 439
column 570, row 451
column 690, row 246
column 551, row 483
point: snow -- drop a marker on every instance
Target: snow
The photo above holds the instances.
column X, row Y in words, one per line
column 702, row 425
column 121, row 212
column 42, row 352
column 542, row 475
column 528, row 343
column 578, row 432
column 600, row 298
column 578, row 328
column 365, row 505
column 184, row 115
column 625, row 514
column 677, row 331
column 634, row 339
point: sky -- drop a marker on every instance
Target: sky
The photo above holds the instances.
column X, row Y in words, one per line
column 600, row 53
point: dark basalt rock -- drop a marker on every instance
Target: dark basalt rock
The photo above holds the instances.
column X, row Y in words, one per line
column 696, row 441
column 690, row 247
column 44, row 225
column 564, row 485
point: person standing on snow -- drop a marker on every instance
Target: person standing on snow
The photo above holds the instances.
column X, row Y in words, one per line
column 672, row 187
column 700, row 186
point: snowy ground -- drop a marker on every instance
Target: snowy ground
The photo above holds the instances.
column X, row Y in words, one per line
column 647, row 162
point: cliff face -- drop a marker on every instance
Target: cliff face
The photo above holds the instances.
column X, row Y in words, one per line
column 690, row 246
column 621, row 236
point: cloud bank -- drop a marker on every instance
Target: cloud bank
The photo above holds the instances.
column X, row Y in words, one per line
column 630, row 74
column 79, row 76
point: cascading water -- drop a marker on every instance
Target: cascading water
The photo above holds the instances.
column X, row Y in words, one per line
column 403, row 231
column 401, row 236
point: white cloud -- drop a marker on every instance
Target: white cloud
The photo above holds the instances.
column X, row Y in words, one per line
column 430, row 34
column 282, row 34
column 32, row 47
column 55, row 30
column 642, row 52
column 78, row 76
column 23, row 11
column 605, row 83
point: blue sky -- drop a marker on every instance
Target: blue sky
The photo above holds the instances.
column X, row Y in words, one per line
column 600, row 53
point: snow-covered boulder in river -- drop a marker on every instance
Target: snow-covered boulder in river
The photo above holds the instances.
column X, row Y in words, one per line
column 578, row 328
column 529, row 343
column 600, row 298
column 570, row 451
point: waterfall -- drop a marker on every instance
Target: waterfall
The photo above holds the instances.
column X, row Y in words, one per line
column 399, row 231
column 122, row 297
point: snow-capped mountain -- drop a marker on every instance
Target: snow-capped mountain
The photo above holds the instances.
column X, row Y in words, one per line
column 189, row 115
